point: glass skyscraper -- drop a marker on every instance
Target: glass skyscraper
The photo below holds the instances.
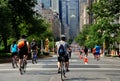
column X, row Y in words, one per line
column 69, row 15
column 46, row 3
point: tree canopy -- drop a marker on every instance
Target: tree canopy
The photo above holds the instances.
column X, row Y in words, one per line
column 18, row 17
column 106, row 15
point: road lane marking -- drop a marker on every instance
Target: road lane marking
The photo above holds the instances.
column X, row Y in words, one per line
column 72, row 69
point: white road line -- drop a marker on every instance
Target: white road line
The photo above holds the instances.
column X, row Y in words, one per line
column 72, row 64
column 72, row 69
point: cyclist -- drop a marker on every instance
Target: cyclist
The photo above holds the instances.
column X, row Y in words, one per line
column 97, row 52
column 65, row 56
column 34, row 49
column 24, row 49
column 86, row 51
column 14, row 52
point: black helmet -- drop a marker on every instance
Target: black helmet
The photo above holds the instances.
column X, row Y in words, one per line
column 23, row 36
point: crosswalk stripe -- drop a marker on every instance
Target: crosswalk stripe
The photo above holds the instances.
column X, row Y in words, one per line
column 72, row 69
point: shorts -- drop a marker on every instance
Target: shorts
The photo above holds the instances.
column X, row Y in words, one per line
column 22, row 53
column 66, row 58
column 14, row 53
column 97, row 53
column 33, row 52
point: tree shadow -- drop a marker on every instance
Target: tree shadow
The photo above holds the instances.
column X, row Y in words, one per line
column 85, row 79
column 41, row 73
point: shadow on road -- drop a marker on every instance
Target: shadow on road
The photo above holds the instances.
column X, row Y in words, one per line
column 85, row 79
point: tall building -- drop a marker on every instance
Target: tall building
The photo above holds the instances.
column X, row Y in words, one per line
column 69, row 16
column 46, row 3
column 49, row 9
column 55, row 5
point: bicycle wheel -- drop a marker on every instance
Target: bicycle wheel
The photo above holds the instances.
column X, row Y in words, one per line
column 61, row 70
column 21, row 68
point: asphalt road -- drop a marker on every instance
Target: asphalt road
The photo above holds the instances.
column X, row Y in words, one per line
column 106, row 69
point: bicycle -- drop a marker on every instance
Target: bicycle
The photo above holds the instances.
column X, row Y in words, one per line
column 14, row 61
column 62, row 69
column 34, row 57
column 23, row 66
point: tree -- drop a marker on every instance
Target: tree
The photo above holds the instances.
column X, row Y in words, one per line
column 22, row 12
column 105, row 14
column 83, row 36
column 5, row 24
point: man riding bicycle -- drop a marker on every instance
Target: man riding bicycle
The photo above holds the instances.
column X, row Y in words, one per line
column 65, row 56
column 23, row 46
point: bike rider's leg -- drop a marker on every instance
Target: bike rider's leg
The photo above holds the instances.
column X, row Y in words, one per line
column 25, row 58
column 16, row 61
column 67, row 63
column 13, row 62
column 20, row 58
column 59, row 64
column 35, row 56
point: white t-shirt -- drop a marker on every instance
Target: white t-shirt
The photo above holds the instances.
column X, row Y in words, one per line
column 65, row 44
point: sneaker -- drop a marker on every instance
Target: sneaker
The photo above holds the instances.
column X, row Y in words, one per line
column 58, row 70
column 13, row 66
column 67, row 70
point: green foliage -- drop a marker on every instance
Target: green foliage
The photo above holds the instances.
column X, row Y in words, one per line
column 82, row 37
column 10, row 41
column 5, row 13
column 105, row 13
column 18, row 17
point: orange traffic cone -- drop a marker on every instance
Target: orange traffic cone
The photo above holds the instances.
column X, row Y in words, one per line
column 85, row 60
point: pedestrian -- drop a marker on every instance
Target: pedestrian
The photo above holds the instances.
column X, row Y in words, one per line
column 65, row 55
column 86, row 51
column 97, row 52
column 34, row 50
column 14, row 52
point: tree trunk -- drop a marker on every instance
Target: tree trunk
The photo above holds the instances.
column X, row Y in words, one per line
column 5, row 43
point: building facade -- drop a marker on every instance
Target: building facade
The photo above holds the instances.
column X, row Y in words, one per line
column 69, row 16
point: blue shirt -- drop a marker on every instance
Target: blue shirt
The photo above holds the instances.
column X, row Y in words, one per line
column 14, row 48
column 97, row 49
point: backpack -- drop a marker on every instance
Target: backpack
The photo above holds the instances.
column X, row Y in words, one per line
column 61, row 50
column 33, row 45
column 22, row 45
column 14, row 48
